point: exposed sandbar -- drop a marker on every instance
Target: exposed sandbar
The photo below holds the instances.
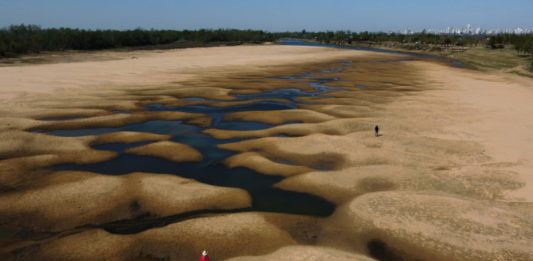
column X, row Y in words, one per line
column 65, row 200
column 280, row 116
column 168, row 150
column 418, row 226
column 448, row 179
column 264, row 165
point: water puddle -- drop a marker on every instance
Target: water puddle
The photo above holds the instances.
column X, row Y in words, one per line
column 194, row 99
column 211, row 170
column 63, row 118
column 120, row 147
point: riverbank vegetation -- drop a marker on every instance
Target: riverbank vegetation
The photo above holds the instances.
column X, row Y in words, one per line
column 501, row 51
column 504, row 59
column 474, row 50
column 29, row 39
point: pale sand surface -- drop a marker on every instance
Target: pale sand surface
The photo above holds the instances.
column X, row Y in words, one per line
column 169, row 150
column 496, row 112
column 306, row 253
column 149, row 68
column 71, row 199
column 451, row 177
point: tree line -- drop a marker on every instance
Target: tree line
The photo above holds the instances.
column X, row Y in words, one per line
column 23, row 39
column 522, row 43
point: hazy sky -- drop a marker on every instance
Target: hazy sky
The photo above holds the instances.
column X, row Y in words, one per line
column 271, row 15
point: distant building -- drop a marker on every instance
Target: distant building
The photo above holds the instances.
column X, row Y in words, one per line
column 468, row 30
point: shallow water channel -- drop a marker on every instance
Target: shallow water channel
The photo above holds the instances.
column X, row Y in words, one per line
column 212, row 170
column 409, row 55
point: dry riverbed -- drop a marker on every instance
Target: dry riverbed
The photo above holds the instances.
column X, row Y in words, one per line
column 449, row 178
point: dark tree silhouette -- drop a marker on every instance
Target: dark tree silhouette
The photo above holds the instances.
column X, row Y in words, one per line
column 23, row 39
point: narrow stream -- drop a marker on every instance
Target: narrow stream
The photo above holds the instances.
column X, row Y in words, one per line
column 411, row 55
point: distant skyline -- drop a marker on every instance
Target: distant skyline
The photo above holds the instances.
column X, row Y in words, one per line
column 273, row 15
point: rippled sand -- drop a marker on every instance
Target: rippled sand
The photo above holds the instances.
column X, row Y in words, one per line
column 448, row 179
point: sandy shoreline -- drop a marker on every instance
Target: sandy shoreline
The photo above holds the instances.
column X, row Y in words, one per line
column 139, row 68
column 449, row 179
column 495, row 114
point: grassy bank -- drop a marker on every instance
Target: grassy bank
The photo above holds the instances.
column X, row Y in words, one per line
column 479, row 58
column 505, row 60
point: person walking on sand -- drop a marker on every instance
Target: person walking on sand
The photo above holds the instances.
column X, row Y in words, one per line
column 204, row 256
column 376, row 130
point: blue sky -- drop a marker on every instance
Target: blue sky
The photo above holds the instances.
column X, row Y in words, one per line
column 271, row 15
